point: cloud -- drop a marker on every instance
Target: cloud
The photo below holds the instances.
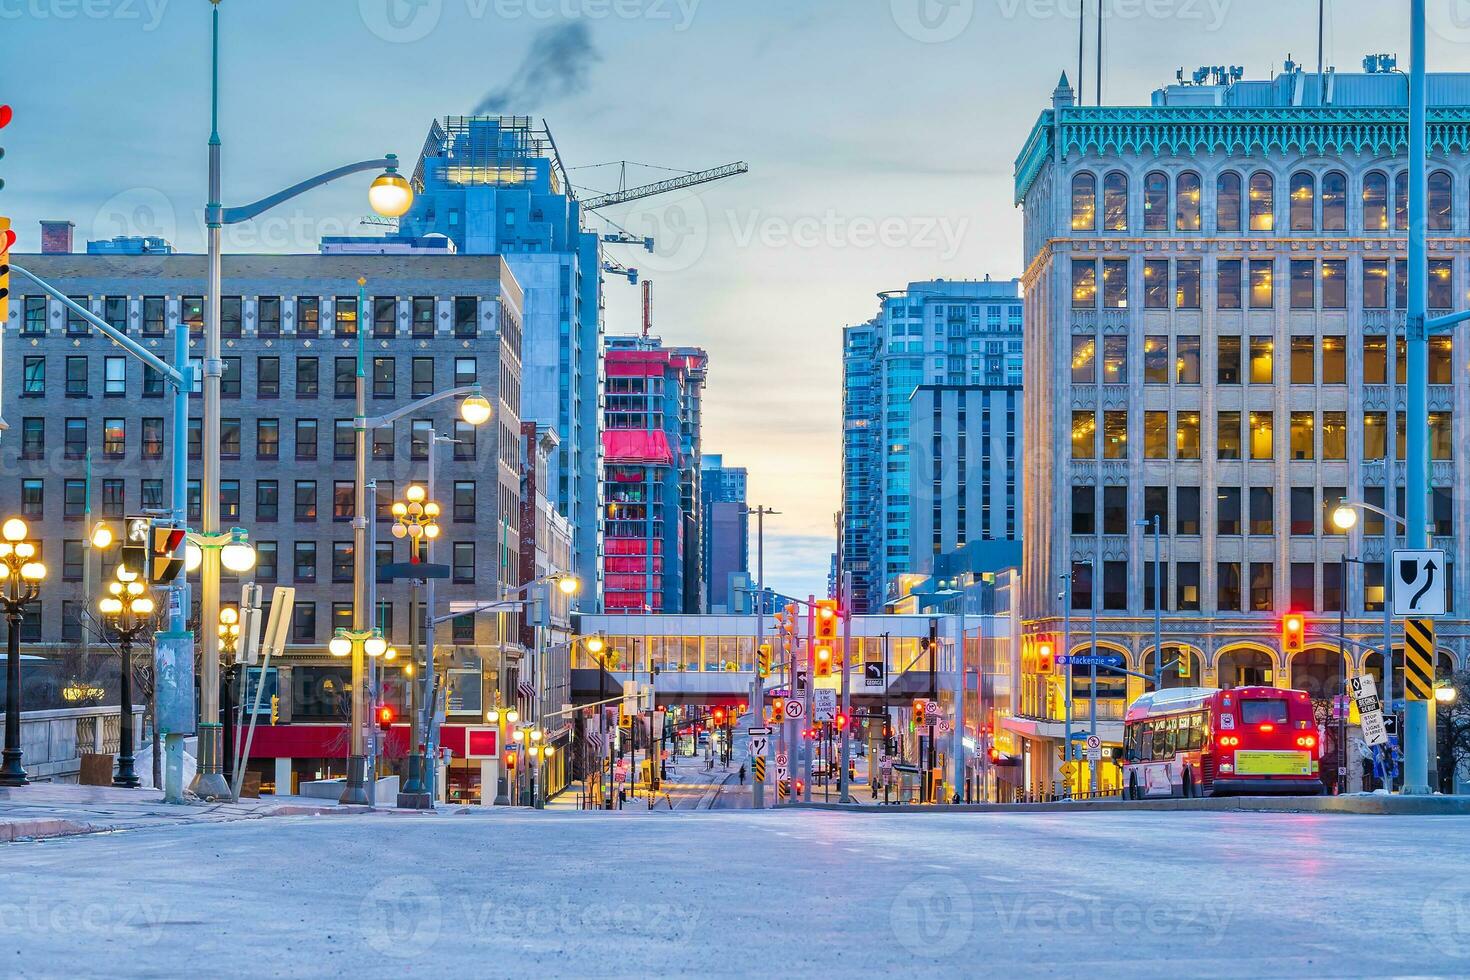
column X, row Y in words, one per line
column 556, row 67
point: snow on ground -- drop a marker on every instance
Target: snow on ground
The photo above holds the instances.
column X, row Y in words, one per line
column 731, row 893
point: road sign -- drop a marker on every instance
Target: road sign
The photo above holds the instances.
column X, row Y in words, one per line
column 758, row 746
column 873, row 673
column 1092, row 660
column 1419, row 657
column 781, row 759
column 1094, row 749
column 409, row 570
column 801, row 679
column 758, row 731
column 824, row 704
column 945, row 726
column 1419, row 579
column 782, row 773
column 795, row 708
column 931, row 709
column 758, row 768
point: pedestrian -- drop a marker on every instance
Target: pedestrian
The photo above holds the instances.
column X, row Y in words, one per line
column 874, row 786
column 742, row 775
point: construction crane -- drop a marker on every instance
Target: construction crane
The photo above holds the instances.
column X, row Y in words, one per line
column 624, row 195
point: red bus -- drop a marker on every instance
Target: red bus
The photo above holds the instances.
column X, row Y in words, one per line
column 1199, row 741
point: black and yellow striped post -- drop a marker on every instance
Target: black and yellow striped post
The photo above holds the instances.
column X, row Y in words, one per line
column 1419, row 657
column 758, row 767
column 783, row 789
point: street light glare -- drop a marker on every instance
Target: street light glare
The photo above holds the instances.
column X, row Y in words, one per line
column 102, row 536
column 237, row 556
column 415, row 493
column 1345, row 518
column 339, row 646
column 14, row 529
column 390, row 194
column 375, row 646
column 193, row 557
column 594, row 645
column 475, row 410
column 569, row 586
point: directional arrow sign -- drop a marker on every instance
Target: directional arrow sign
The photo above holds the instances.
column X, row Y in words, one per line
column 1419, row 580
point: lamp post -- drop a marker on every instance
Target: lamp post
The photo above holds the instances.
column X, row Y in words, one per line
column 357, row 643
column 389, row 195
column 415, row 518
column 22, row 584
column 500, row 719
column 1345, row 518
column 128, row 610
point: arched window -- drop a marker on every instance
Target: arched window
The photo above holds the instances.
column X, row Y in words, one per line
column 1375, row 201
column 1401, row 201
column 1441, row 201
column 1156, row 202
column 1084, row 202
column 1303, row 201
column 1115, row 201
column 1227, row 202
column 1334, row 201
column 1262, row 202
column 1186, row 202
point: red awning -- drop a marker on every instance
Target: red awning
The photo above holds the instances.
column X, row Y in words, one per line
column 636, row 446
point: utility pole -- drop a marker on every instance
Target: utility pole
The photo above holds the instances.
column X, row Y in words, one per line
column 758, row 686
column 807, row 744
column 1066, row 598
column 1092, row 694
column 958, row 746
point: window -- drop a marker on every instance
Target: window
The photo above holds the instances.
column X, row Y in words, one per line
column 114, row 377
column 76, row 324
column 32, row 438
column 344, row 502
column 385, row 316
column 464, row 562
column 229, row 438
column 1303, row 192
column 1303, row 361
column 229, row 382
column 1156, row 202
column 35, row 317
column 73, row 498
column 267, row 438
column 114, row 498
column 114, row 438
column 1155, row 360
column 423, row 377
column 1186, row 582
column 306, row 439
column 345, row 315
column 1227, row 279
column 1334, row 435
column 1156, row 506
column 1441, row 435
column 229, row 500
column 1115, row 585
column 33, row 375
column 1084, row 202
column 76, row 377
column 1084, row 284
column 462, row 630
column 1375, row 435
column 383, row 557
column 1262, row 443
column 304, row 561
column 72, row 558
column 1081, row 583
column 1375, row 360
column 1262, row 202
column 1227, row 435
column 1084, row 510
column 306, row 500
column 1440, row 360
column 1186, row 202
column 268, row 316
column 1186, row 360
column 420, row 437
column 308, row 316
column 1263, row 355
column 154, row 308
column 1115, row 510
column 1186, row 284
column 1441, row 280
column 1334, row 201
column 1303, row 285
column 151, row 494
column 1401, row 201
column 1334, row 360
column 152, row 383
column 1303, row 589
column 464, row 501
column 423, row 316
column 1115, row 360
column 1227, row 586
column 307, row 375
column 265, row 561
column 1375, row 284
column 344, row 377
column 1084, row 351
column 1440, row 199
column 1375, row 201
column 1227, row 202
column 465, row 372
column 1155, row 435
column 1442, row 512
column 268, row 377
column 1115, row 435
column 1186, row 435
column 1156, row 284
column 466, row 316
column 1262, row 284
column 1262, row 510
column 385, row 377
column 195, row 437
column 464, row 440
column 32, row 498
column 1115, row 202
column 1115, row 284
column 1227, row 360
column 74, row 442
column 383, row 442
column 1303, row 520
column 385, row 502
column 267, row 501
column 342, row 561
column 303, row 622
column 191, row 313
column 1227, row 510
column 344, row 439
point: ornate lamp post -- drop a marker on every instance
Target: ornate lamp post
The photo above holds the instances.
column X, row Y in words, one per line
column 356, row 644
column 502, row 794
column 415, row 518
column 127, row 610
column 20, row 576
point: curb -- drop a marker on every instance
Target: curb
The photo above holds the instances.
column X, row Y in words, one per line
column 1365, row 804
column 15, row 830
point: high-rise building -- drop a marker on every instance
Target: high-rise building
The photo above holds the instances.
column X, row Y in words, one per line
column 944, row 332
column 724, row 532
column 651, row 453
column 1214, row 286
column 496, row 185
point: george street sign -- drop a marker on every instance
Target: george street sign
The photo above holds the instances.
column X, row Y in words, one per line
column 873, row 673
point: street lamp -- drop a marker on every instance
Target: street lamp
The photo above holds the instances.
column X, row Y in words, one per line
column 128, row 610
column 415, row 518
column 390, row 194
column 1445, row 694
column 22, row 576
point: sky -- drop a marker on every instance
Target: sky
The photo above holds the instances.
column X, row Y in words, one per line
column 881, row 137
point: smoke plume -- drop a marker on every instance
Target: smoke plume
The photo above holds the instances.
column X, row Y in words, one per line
column 557, row 66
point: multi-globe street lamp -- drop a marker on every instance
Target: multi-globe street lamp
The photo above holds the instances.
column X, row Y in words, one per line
column 415, row 518
column 127, row 610
column 22, row 576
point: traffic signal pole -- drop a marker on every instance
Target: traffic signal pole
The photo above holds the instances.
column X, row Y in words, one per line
column 811, row 678
column 844, row 791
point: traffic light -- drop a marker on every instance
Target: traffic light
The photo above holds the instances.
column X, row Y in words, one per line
column 7, row 237
column 826, row 624
column 1046, row 660
column 840, row 721
column 386, row 716
column 763, row 661
column 166, row 554
column 778, row 709
column 919, row 711
column 1293, row 633
column 824, row 661
column 137, row 534
column 1183, row 658
column 719, row 716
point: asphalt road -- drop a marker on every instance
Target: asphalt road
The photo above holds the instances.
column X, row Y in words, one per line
column 789, row 893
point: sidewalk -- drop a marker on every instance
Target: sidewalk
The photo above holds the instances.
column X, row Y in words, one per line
column 60, row 809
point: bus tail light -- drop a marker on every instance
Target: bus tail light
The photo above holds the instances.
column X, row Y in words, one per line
column 1267, row 727
column 1307, row 741
column 1228, row 741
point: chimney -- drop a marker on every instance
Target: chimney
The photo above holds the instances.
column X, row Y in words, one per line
column 56, row 237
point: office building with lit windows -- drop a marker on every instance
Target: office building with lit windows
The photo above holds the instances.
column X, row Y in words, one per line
column 961, row 332
column 1214, row 282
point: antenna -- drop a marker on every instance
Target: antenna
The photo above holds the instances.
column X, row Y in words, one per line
column 1099, row 51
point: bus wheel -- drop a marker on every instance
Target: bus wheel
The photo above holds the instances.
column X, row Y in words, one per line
column 1188, row 784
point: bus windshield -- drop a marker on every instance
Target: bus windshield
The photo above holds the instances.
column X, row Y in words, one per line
column 1263, row 711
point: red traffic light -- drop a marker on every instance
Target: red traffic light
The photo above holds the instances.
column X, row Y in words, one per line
column 719, row 716
column 386, row 716
column 1293, row 632
column 1046, row 661
column 841, row 721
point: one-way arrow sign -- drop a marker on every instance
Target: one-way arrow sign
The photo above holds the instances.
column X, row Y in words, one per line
column 1419, row 583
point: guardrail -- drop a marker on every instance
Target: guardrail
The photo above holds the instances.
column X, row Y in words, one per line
column 54, row 740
